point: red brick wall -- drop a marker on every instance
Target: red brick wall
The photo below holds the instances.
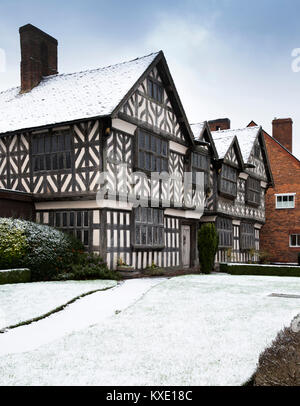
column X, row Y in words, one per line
column 281, row 223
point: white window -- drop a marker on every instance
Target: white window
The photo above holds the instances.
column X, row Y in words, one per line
column 295, row 240
column 285, row 201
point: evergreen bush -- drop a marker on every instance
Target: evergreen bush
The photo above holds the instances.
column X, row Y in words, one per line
column 45, row 250
column 13, row 245
column 208, row 242
column 89, row 266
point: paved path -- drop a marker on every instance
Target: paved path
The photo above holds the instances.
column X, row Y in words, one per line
column 85, row 312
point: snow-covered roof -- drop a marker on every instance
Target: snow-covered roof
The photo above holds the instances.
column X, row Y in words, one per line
column 67, row 97
column 222, row 144
column 197, row 130
column 245, row 136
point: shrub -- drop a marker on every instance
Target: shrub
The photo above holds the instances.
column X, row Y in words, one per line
column 15, row 276
column 267, row 270
column 264, row 257
column 13, row 245
column 47, row 251
column 279, row 365
column 89, row 266
column 207, row 246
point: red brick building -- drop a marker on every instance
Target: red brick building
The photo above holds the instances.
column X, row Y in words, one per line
column 280, row 236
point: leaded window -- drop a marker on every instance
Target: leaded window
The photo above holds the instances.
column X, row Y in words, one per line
column 149, row 228
column 76, row 223
column 152, row 152
column 228, row 181
column 51, row 151
column 225, row 231
column 256, row 151
column 253, row 191
column 247, row 236
column 155, row 91
column 200, row 163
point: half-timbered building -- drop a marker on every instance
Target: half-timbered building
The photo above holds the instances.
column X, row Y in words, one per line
column 58, row 132
column 241, row 177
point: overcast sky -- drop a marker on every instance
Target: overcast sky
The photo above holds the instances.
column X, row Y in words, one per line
column 228, row 58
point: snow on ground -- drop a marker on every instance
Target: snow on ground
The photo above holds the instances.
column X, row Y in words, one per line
column 24, row 301
column 190, row 330
column 81, row 314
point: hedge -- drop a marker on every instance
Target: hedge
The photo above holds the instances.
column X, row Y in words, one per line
column 15, row 276
column 44, row 250
column 263, row 270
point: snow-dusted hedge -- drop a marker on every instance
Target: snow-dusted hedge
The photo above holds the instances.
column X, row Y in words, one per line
column 45, row 250
column 15, row 276
column 257, row 269
column 13, row 245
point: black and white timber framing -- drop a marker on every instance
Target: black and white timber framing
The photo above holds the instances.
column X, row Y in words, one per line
column 65, row 195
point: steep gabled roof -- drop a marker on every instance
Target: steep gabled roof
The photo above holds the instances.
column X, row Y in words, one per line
column 201, row 132
column 224, row 145
column 245, row 136
column 88, row 94
column 69, row 97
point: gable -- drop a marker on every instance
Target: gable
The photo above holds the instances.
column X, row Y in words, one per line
column 71, row 97
column 160, row 117
column 285, row 166
column 231, row 156
column 256, row 158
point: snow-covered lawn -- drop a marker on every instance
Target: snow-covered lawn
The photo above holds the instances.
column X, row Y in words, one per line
column 190, row 330
column 21, row 302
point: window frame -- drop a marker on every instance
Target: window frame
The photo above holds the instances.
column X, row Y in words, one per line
column 282, row 195
column 195, row 169
column 157, row 228
column 60, row 146
column 250, row 189
column 79, row 226
column 148, row 151
column 225, row 232
column 297, row 239
column 155, row 91
column 246, row 235
column 226, row 179
column 256, row 151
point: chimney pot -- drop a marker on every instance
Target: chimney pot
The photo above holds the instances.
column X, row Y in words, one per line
column 283, row 132
column 38, row 56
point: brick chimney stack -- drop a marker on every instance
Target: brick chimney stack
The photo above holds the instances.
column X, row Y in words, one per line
column 38, row 56
column 283, row 132
column 219, row 124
